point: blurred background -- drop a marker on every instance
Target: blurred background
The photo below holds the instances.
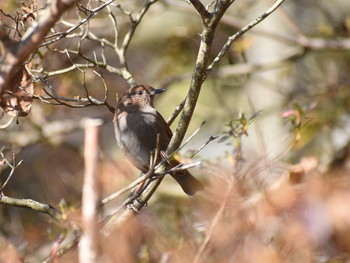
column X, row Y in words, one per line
column 277, row 175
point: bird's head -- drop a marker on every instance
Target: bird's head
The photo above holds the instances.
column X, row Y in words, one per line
column 139, row 97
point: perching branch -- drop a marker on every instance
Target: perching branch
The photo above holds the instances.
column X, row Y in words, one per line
column 131, row 205
column 199, row 74
column 154, row 167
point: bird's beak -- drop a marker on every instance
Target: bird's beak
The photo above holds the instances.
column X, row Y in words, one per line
column 156, row 91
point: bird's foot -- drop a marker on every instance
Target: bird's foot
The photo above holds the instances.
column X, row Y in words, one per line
column 133, row 207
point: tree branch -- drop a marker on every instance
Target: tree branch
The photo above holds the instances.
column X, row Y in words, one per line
column 31, row 204
column 121, row 51
column 17, row 53
column 88, row 251
column 201, row 10
column 234, row 37
column 198, row 76
column 82, row 22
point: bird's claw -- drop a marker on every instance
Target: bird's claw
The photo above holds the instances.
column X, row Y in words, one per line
column 133, row 207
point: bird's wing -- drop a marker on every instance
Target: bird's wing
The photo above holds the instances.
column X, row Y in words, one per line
column 164, row 124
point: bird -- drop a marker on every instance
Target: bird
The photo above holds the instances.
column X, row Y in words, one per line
column 137, row 124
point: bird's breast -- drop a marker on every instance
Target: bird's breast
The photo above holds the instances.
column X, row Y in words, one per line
column 136, row 134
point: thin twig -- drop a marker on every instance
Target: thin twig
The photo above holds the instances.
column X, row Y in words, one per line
column 176, row 112
column 12, row 165
column 234, row 37
column 121, row 51
column 48, row 74
column 88, row 101
column 211, row 138
column 7, row 124
column 76, row 233
column 125, row 189
column 181, row 167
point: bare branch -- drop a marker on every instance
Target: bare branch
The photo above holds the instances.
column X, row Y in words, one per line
column 134, row 23
column 201, row 10
column 74, row 239
column 176, row 112
column 85, row 102
column 231, row 39
column 16, row 53
column 82, row 22
column 48, row 74
column 121, row 51
column 199, row 75
column 13, row 165
column 211, row 138
column 34, row 205
column 182, row 167
column 88, row 247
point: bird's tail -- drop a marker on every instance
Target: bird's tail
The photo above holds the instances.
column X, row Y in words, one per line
column 189, row 184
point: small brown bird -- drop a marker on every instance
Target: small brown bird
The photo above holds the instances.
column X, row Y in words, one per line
column 137, row 124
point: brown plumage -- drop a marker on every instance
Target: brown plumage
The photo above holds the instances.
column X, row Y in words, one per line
column 136, row 125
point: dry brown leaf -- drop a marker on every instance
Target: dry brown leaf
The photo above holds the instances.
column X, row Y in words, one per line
column 18, row 98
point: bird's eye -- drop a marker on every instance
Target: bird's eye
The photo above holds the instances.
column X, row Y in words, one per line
column 139, row 92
